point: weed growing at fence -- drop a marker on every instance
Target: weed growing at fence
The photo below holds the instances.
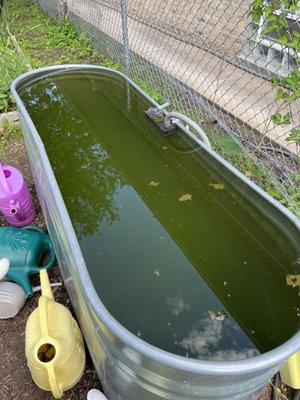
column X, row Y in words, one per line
column 232, row 152
column 109, row 63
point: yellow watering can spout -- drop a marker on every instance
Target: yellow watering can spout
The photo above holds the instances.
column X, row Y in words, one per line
column 54, row 345
column 45, row 285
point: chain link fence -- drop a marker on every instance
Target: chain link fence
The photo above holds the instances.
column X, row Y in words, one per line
column 210, row 61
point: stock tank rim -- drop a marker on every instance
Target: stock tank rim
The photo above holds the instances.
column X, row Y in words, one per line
column 259, row 362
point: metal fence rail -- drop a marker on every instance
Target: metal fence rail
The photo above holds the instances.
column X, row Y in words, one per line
column 211, row 62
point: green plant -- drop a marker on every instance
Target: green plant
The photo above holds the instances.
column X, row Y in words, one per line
column 152, row 92
column 11, row 65
column 28, row 37
column 2, row 148
column 275, row 13
column 109, row 63
column 12, row 130
column 9, row 131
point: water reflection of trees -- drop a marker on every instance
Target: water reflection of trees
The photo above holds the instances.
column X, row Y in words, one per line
column 83, row 169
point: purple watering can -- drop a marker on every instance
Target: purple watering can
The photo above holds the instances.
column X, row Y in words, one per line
column 15, row 200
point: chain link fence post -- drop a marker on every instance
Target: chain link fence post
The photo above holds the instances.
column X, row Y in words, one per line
column 64, row 9
column 124, row 20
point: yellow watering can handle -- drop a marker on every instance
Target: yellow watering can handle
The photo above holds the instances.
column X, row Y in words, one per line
column 55, row 386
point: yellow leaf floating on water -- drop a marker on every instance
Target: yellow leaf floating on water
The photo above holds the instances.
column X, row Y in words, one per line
column 217, row 186
column 153, row 183
column 185, row 197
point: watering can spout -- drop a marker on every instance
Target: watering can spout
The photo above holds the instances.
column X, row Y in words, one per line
column 45, row 285
column 16, row 210
column 15, row 200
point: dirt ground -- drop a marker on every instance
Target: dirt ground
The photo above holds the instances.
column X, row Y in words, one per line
column 15, row 379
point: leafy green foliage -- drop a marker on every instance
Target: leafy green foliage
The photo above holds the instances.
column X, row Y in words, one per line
column 226, row 145
column 295, row 135
column 108, row 63
column 280, row 119
column 41, row 41
column 8, row 131
column 11, row 65
column 275, row 17
column 11, row 131
column 152, row 92
column 275, row 13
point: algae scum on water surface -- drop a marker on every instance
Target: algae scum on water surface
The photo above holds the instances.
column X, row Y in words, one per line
column 177, row 255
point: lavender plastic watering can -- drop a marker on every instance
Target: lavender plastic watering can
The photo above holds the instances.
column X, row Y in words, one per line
column 15, row 200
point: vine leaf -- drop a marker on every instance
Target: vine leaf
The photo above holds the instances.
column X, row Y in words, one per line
column 294, row 135
column 282, row 119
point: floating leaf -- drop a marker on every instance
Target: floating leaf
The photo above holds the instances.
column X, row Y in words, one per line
column 217, row 186
column 185, row 197
column 217, row 315
column 165, row 148
column 293, row 280
column 153, row 183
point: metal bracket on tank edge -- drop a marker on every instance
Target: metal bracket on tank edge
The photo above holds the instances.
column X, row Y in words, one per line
column 156, row 115
column 167, row 122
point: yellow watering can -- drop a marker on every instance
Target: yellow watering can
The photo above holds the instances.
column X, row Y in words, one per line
column 54, row 346
column 290, row 372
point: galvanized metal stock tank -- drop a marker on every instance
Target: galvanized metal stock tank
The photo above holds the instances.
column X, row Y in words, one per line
column 128, row 367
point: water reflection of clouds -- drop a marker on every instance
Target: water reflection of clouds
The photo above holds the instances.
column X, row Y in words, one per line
column 203, row 343
column 178, row 305
column 230, row 355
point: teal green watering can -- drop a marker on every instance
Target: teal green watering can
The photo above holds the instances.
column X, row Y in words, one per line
column 25, row 248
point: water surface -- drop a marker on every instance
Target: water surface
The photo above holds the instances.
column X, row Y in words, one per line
column 176, row 254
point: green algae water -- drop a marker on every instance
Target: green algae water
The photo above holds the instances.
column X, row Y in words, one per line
column 177, row 254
